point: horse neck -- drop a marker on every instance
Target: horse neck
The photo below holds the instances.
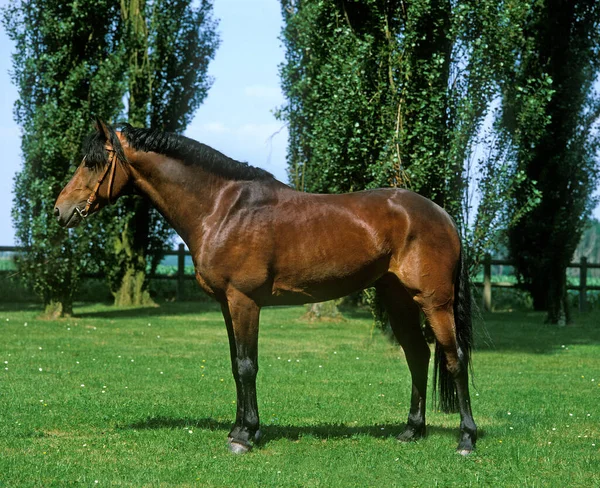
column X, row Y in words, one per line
column 183, row 194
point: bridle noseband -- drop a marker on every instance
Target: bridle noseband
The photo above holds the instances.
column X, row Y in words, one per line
column 112, row 166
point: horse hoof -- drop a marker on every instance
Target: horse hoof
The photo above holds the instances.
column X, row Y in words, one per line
column 411, row 435
column 464, row 452
column 237, row 447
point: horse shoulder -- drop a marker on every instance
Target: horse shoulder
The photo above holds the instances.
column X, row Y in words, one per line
column 238, row 238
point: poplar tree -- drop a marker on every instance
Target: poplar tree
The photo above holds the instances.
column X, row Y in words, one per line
column 398, row 93
column 168, row 49
column 562, row 46
column 75, row 60
column 66, row 66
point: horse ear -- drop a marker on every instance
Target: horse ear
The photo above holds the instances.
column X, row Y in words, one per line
column 102, row 128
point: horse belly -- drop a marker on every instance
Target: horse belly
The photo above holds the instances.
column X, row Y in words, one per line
column 311, row 271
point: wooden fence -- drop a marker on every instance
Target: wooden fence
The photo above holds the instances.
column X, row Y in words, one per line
column 487, row 283
column 181, row 252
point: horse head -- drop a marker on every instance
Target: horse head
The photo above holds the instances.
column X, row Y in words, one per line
column 100, row 179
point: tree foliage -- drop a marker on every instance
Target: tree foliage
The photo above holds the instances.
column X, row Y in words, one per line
column 561, row 48
column 75, row 60
column 66, row 54
column 488, row 108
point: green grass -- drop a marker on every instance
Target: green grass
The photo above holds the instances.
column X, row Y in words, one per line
column 145, row 397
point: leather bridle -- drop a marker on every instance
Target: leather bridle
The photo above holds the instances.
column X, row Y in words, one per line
column 112, row 167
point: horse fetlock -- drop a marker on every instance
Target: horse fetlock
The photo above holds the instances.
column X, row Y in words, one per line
column 468, row 428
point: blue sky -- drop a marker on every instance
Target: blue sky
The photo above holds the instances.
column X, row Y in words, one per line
column 236, row 117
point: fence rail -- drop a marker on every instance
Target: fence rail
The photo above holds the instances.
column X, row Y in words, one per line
column 487, row 283
column 181, row 252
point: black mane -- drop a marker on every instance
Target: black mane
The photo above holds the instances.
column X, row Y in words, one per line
column 183, row 148
column 93, row 149
column 191, row 152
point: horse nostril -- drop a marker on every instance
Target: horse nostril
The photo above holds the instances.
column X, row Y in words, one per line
column 56, row 212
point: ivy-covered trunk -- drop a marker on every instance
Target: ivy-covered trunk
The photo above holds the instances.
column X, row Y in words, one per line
column 130, row 249
column 134, row 289
column 62, row 307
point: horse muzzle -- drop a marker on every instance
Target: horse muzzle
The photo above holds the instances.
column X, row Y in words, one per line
column 70, row 218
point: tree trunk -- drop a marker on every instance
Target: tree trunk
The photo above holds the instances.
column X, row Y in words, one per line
column 56, row 309
column 131, row 245
column 327, row 311
column 558, row 302
column 133, row 289
column 539, row 294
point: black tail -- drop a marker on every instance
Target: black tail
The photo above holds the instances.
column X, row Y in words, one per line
column 442, row 378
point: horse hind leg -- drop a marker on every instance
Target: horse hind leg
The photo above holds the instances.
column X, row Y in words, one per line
column 405, row 321
column 452, row 364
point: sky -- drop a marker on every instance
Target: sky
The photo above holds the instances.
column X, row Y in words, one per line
column 236, row 118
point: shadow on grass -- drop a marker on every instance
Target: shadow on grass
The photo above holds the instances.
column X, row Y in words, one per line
column 166, row 308
column 527, row 332
column 273, row 432
column 20, row 306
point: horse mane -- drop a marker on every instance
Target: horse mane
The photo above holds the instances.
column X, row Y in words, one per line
column 184, row 149
column 191, row 152
column 93, row 149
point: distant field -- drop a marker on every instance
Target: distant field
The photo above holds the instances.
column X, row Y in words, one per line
column 145, row 397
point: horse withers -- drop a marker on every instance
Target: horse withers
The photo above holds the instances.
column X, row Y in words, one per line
column 256, row 242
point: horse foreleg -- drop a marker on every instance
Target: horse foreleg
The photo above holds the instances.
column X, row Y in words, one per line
column 241, row 318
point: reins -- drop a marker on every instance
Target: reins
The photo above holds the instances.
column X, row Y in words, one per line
column 112, row 166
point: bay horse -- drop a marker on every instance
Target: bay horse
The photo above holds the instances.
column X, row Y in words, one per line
column 256, row 242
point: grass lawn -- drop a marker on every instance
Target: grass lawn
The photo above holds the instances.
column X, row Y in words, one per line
column 145, row 397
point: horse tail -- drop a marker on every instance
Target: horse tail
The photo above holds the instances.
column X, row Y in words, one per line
column 443, row 379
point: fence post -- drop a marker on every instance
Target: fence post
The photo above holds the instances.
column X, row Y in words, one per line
column 180, row 271
column 583, row 285
column 487, row 282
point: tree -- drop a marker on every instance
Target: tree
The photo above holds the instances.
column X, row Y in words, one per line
column 562, row 43
column 66, row 58
column 169, row 46
column 75, row 60
column 399, row 94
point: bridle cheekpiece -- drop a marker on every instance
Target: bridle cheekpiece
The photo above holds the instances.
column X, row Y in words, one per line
column 112, row 166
